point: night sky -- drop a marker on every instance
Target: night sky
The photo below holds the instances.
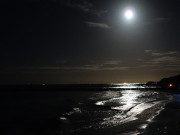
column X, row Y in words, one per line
column 88, row 41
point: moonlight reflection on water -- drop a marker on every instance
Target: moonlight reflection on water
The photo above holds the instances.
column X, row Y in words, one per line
column 118, row 109
column 130, row 105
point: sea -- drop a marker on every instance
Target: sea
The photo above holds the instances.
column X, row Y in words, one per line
column 104, row 109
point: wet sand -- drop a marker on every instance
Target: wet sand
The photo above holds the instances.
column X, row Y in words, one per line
column 123, row 112
column 168, row 121
column 134, row 110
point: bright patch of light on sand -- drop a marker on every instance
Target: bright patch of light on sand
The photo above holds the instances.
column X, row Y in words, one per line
column 74, row 110
column 143, row 126
column 100, row 103
column 129, row 14
column 62, row 118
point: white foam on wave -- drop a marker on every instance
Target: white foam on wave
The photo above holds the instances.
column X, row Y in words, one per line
column 157, row 113
column 107, row 101
column 74, row 110
column 100, row 102
column 131, row 115
column 138, row 110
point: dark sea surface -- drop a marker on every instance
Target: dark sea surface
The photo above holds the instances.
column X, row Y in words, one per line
column 89, row 109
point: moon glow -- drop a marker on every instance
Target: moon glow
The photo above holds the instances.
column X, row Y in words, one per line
column 129, row 14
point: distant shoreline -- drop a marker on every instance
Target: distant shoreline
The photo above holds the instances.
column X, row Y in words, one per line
column 83, row 87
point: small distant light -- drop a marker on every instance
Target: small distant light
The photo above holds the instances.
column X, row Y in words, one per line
column 170, row 85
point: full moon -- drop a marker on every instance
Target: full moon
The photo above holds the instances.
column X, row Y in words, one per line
column 129, row 14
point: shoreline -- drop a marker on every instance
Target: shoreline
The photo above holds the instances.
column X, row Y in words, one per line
column 143, row 111
column 168, row 120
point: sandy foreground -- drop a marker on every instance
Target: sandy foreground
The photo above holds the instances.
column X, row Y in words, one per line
column 168, row 121
column 125, row 112
column 138, row 115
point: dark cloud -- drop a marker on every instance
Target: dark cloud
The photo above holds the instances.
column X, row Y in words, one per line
column 157, row 53
column 98, row 25
column 112, row 62
column 110, row 65
column 160, row 60
column 85, row 68
column 86, row 6
column 165, row 59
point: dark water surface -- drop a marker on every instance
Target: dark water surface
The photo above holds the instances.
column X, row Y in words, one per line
column 86, row 111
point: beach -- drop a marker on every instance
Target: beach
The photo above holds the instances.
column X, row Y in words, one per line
column 86, row 112
column 168, row 121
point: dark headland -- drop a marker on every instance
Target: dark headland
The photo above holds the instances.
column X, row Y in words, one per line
column 170, row 83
